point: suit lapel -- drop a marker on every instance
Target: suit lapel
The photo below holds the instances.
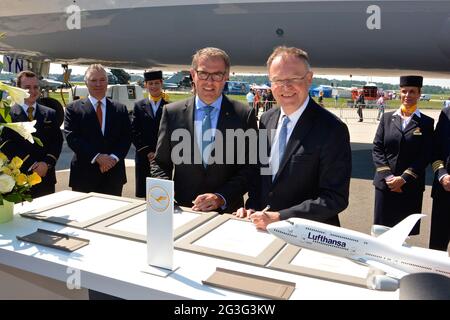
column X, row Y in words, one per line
column 271, row 126
column 397, row 121
column 92, row 116
column 413, row 123
column 148, row 108
column 109, row 117
column 189, row 111
column 17, row 114
column 301, row 130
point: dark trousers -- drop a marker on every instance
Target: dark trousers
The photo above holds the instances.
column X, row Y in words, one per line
column 112, row 189
column 440, row 222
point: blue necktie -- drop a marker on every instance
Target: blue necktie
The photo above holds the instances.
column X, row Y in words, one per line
column 206, row 138
column 282, row 139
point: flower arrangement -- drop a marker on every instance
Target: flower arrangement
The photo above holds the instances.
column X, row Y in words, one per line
column 15, row 185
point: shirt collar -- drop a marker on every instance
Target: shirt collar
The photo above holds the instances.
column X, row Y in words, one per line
column 293, row 117
column 399, row 113
column 94, row 101
column 199, row 104
column 25, row 107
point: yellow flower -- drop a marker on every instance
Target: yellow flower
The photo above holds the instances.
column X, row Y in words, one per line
column 3, row 157
column 16, row 163
column 17, row 95
column 21, row 179
column 7, row 171
column 33, row 179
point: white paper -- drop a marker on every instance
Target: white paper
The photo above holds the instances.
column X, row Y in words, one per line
column 326, row 262
column 138, row 222
column 86, row 209
column 238, row 237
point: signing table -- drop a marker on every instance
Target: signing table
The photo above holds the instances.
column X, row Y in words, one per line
column 116, row 265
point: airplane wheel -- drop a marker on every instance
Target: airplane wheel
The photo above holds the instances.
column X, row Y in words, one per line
column 55, row 105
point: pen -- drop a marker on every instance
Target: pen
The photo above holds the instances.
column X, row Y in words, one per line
column 265, row 209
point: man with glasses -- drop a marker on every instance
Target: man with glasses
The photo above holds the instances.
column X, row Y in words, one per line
column 201, row 182
column 309, row 167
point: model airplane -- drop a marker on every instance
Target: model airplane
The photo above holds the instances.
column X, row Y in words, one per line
column 348, row 36
column 385, row 253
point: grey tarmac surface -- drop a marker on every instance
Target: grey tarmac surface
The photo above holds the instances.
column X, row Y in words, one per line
column 359, row 214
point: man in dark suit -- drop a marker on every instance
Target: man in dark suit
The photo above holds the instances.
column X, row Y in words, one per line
column 309, row 166
column 98, row 130
column 145, row 125
column 39, row 159
column 208, row 185
column 401, row 152
column 440, row 215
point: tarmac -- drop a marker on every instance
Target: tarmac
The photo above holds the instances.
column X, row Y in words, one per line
column 358, row 215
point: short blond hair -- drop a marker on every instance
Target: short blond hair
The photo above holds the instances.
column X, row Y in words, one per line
column 94, row 67
column 289, row 51
column 210, row 52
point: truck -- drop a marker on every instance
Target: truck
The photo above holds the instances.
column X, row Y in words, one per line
column 127, row 94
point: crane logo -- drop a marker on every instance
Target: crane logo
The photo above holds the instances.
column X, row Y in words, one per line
column 158, row 199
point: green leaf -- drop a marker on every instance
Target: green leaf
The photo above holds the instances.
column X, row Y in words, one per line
column 38, row 141
column 16, row 198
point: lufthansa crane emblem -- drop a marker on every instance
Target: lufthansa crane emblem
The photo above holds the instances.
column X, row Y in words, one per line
column 158, row 199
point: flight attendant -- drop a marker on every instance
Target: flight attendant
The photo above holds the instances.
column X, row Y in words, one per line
column 145, row 125
column 401, row 152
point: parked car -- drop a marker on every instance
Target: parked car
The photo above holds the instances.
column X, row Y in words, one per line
column 425, row 97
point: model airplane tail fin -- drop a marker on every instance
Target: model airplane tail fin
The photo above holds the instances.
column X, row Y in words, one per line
column 397, row 234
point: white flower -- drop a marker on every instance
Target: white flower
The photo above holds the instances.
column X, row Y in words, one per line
column 25, row 129
column 17, row 95
column 7, row 183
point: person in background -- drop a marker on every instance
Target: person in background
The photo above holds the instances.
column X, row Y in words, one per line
column 98, row 130
column 381, row 105
column 39, row 159
column 250, row 97
column 145, row 125
column 360, row 102
column 440, row 215
column 401, row 152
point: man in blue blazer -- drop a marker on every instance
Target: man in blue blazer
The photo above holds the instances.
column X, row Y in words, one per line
column 309, row 158
column 39, row 159
column 98, row 130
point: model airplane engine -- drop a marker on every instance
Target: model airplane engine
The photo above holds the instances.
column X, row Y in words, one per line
column 382, row 282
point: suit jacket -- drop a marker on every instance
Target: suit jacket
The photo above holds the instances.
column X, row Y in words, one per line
column 145, row 126
column 314, row 175
column 441, row 153
column 404, row 153
column 85, row 138
column 191, row 177
column 48, row 131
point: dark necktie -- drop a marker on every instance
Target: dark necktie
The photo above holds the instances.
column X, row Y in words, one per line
column 282, row 140
column 206, row 134
column 30, row 113
column 99, row 113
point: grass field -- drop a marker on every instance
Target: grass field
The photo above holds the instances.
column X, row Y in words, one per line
column 434, row 103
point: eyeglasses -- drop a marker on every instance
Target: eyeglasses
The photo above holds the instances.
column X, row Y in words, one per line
column 217, row 76
column 288, row 82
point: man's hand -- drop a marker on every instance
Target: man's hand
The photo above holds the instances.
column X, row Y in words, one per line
column 105, row 162
column 262, row 219
column 395, row 183
column 40, row 168
column 207, row 202
column 445, row 182
column 150, row 156
column 243, row 213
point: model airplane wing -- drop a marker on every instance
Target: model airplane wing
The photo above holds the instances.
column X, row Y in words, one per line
column 393, row 272
column 397, row 234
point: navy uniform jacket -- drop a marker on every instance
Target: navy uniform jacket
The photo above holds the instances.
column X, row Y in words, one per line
column 192, row 179
column 404, row 153
column 440, row 219
column 145, row 126
column 85, row 138
column 48, row 132
column 313, row 179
